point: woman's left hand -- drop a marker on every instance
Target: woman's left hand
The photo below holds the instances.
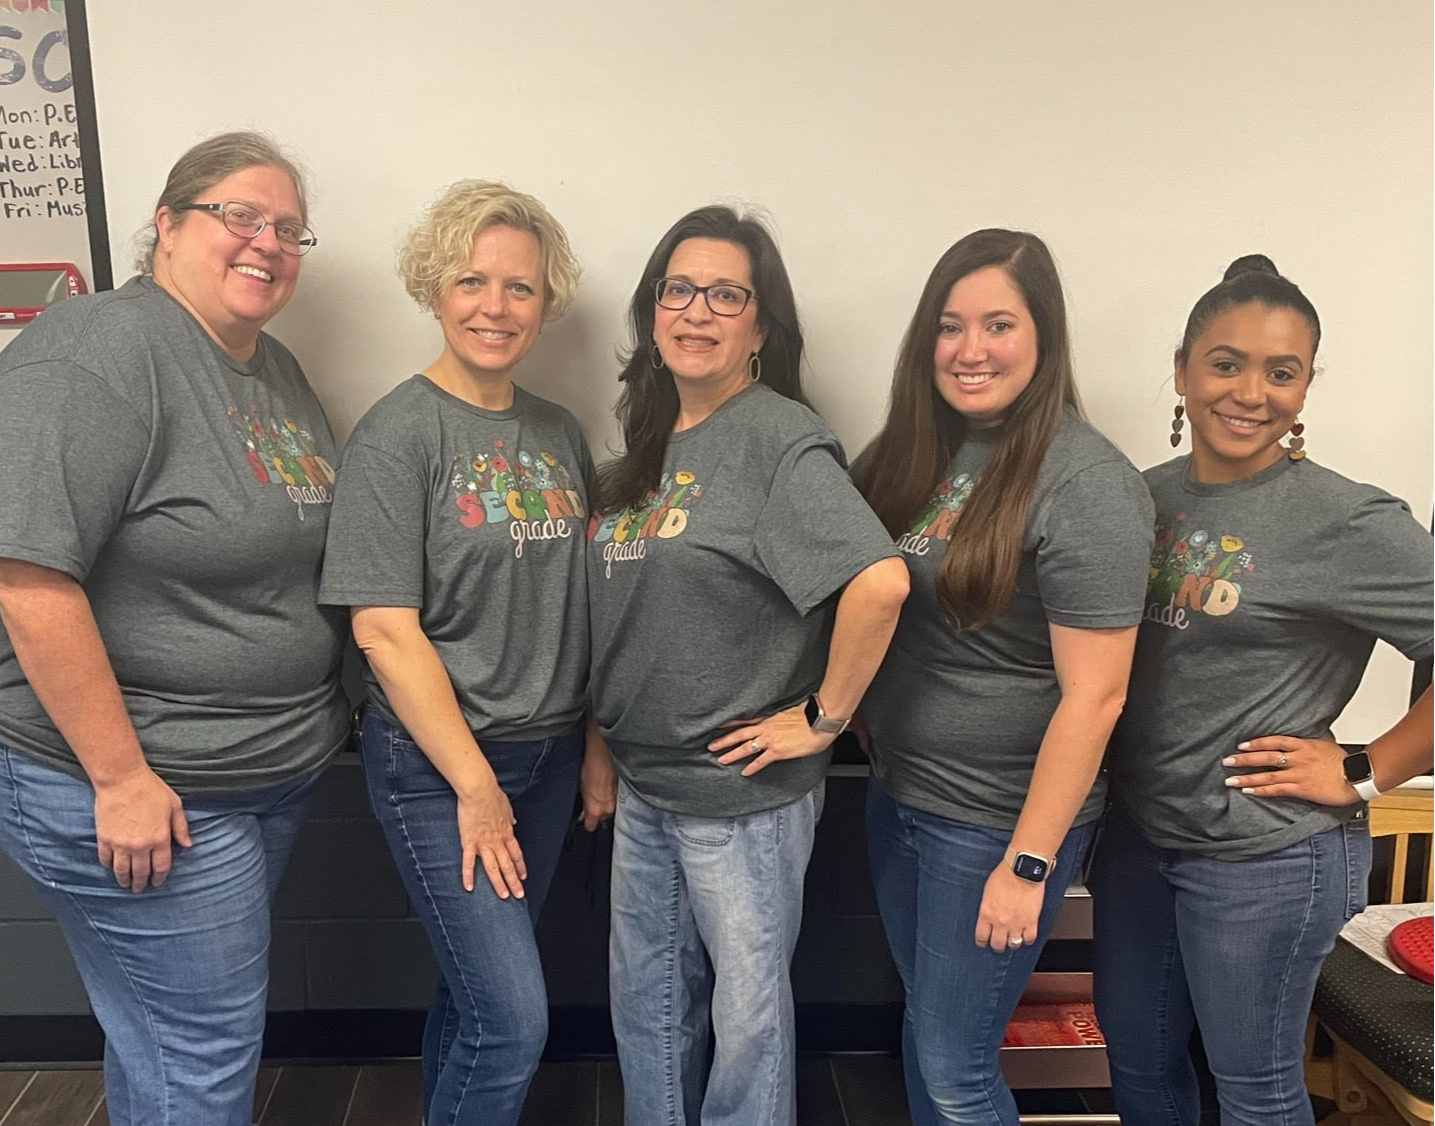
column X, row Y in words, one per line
column 1010, row 908
column 1296, row 768
column 782, row 735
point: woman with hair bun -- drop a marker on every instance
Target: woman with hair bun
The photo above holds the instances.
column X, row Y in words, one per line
column 1237, row 846
column 169, row 691
column 457, row 544
column 1027, row 534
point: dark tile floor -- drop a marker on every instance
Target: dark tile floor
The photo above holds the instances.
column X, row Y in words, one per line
column 838, row 1090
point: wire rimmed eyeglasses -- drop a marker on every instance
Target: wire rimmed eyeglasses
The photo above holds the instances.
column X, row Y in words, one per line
column 247, row 221
column 723, row 298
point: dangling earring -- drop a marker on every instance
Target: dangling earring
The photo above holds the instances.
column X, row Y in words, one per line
column 754, row 368
column 1295, row 448
column 655, row 358
column 1177, row 423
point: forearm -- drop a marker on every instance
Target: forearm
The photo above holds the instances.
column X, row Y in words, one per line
column 1406, row 749
column 417, row 687
column 1066, row 766
column 58, row 646
column 866, row 618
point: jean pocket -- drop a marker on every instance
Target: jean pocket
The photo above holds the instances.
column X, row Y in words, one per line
column 1356, row 834
column 410, row 770
column 711, row 832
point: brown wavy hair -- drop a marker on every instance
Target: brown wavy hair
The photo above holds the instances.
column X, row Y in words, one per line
column 901, row 468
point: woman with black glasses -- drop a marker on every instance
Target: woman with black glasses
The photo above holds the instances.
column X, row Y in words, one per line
column 168, row 688
column 741, row 597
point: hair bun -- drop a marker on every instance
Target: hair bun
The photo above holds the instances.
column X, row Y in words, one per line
column 1251, row 264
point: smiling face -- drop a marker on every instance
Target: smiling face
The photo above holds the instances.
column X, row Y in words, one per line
column 987, row 346
column 698, row 346
column 492, row 314
column 232, row 285
column 1244, row 381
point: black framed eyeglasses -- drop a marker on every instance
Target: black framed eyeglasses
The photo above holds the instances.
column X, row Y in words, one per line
column 246, row 221
column 723, row 298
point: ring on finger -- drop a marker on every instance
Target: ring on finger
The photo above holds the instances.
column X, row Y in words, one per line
column 756, row 747
column 1283, row 763
column 1014, row 940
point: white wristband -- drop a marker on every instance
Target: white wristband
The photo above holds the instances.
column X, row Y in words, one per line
column 1366, row 789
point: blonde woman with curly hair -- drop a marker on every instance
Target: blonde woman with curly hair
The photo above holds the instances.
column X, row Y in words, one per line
column 457, row 544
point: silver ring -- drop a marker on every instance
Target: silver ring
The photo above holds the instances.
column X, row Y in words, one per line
column 1283, row 763
column 756, row 749
column 1016, row 941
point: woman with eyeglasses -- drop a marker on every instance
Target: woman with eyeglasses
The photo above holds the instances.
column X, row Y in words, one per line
column 1027, row 533
column 457, row 546
column 741, row 597
column 169, row 689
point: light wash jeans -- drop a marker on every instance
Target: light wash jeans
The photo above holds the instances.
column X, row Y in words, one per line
column 1234, row 946
column 706, row 912
column 489, row 1018
column 176, row 974
column 929, row 873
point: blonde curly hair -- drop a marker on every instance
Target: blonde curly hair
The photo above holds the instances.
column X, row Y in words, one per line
column 437, row 250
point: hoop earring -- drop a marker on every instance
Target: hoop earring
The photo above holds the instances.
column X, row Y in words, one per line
column 754, row 368
column 1178, row 422
column 1295, row 448
column 655, row 358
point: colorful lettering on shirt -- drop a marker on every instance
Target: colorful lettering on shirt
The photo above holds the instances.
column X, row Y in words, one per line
column 1194, row 572
column 532, row 493
column 940, row 515
column 283, row 453
column 624, row 534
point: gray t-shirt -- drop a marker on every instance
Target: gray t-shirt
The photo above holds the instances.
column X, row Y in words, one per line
column 189, row 495
column 476, row 518
column 713, row 602
column 956, row 719
column 1266, row 596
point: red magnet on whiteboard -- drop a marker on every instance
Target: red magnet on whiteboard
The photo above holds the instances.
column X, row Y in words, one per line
column 27, row 289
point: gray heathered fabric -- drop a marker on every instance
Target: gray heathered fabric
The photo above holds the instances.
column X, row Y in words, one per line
column 714, row 602
column 426, row 514
column 189, row 494
column 957, row 718
column 1266, row 597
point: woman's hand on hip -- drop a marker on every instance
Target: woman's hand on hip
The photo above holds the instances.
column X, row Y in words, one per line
column 137, row 819
column 1009, row 912
column 782, row 735
column 485, row 829
column 1312, row 769
column 597, row 782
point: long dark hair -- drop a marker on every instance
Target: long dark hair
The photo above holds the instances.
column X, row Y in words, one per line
column 648, row 406
column 905, row 462
column 1250, row 278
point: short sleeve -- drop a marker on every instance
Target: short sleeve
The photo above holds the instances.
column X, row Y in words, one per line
column 1384, row 562
column 71, row 450
column 1094, row 548
column 815, row 531
column 375, row 551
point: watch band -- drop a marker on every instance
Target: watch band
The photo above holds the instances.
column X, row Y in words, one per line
column 821, row 722
column 1366, row 789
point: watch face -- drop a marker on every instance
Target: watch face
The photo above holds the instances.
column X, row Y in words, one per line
column 1357, row 767
column 1030, row 867
column 811, row 711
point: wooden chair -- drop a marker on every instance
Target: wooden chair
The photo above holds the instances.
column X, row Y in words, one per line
column 1364, row 1092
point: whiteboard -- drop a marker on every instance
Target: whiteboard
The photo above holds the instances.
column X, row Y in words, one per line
column 1149, row 144
column 42, row 187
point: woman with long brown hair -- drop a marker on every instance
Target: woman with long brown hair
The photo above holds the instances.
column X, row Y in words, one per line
column 1027, row 535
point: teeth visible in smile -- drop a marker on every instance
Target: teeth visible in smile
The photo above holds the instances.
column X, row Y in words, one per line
column 255, row 272
column 492, row 334
column 1241, row 423
column 975, row 378
column 692, row 340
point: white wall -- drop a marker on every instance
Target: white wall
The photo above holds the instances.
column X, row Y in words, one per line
column 1148, row 143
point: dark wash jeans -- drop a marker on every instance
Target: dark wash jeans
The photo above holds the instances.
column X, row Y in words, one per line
column 489, row 1018
column 1233, row 946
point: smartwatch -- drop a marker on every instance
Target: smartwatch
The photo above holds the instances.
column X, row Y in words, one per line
column 1361, row 775
column 1029, row 866
column 820, row 721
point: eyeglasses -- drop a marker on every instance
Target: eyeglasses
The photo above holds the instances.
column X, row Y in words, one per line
column 245, row 221
column 723, row 298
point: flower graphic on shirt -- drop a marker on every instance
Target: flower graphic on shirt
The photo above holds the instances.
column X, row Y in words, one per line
column 1194, row 572
column 625, row 535
column 534, row 489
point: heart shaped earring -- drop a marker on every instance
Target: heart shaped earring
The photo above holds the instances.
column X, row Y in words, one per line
column 1177, row 423
column 1295, row 448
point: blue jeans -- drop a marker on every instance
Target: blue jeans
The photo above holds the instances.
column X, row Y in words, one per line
column 1233, row 946
column 706, row 912
column 489, row 1018
column 930, row 873
column 176, row 974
